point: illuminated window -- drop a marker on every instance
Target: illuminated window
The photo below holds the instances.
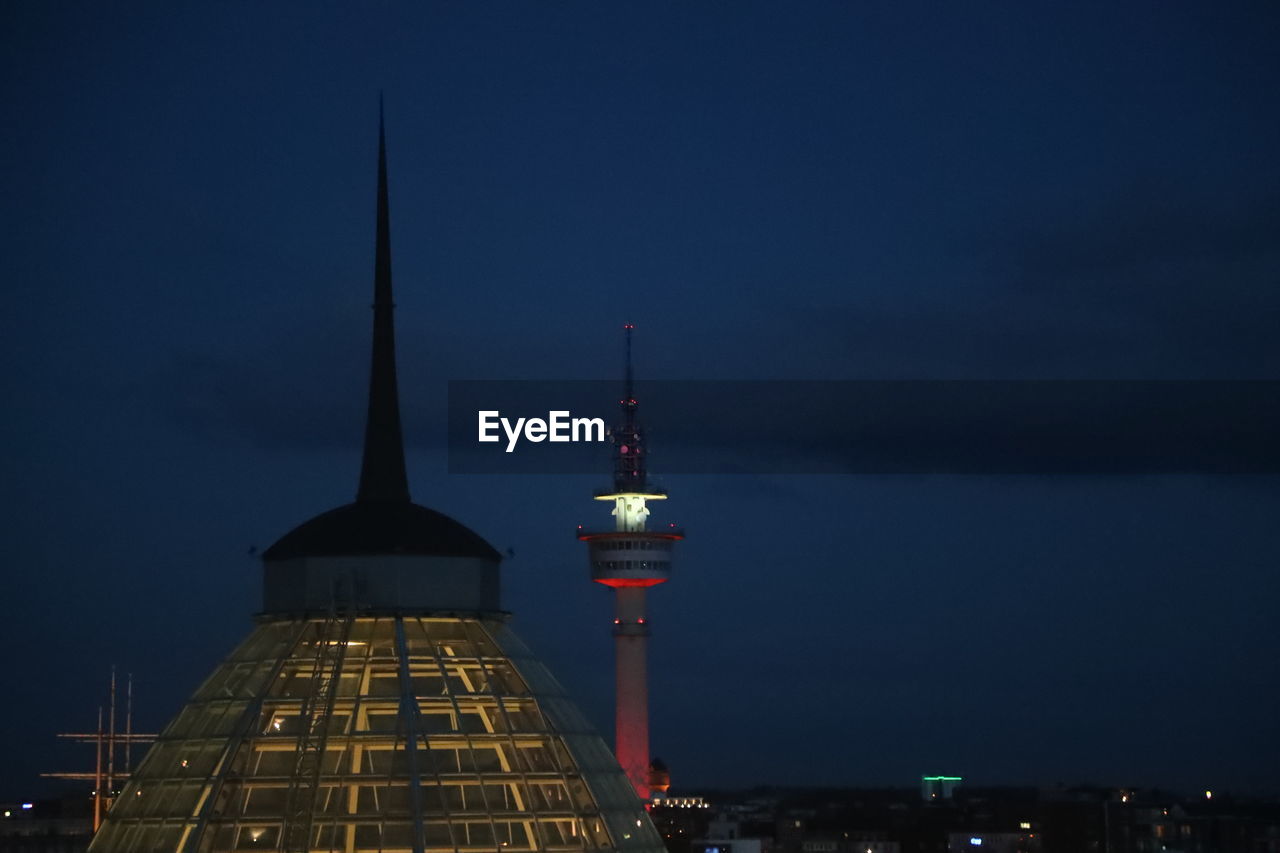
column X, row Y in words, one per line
column 503, row 760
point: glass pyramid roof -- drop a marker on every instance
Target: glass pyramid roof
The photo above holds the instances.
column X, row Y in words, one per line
column 393, row 724
column 355, row 733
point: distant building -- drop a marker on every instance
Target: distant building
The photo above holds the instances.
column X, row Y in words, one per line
column 46, row 826
column 1005, row 820
column 731, row 845
column 659, row 778
column 937, row 788
column 732, row 831
column 991, row 842
column 679, row 820
column 679, row 802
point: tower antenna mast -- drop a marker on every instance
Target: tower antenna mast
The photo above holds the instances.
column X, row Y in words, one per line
column 630, row 390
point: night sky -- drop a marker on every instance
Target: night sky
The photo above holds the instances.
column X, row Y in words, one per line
column 768, row 191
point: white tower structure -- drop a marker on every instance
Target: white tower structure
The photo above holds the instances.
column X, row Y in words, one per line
column 630, row 559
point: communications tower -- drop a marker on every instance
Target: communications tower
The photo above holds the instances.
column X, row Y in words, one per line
column 631, row 558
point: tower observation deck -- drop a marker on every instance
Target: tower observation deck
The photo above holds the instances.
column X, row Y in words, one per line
column 630, row 559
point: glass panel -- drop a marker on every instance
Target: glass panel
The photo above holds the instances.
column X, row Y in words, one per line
column 504, row 760
column 436, row 835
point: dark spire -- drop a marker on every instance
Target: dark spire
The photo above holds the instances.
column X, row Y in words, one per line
column 629, row 473
column 382, row 475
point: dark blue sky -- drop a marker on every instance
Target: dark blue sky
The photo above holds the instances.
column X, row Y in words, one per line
column 828, row 191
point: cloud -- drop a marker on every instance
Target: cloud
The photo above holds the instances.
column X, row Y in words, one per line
column 1153, row 280
column 1176, row 282
column 912, row 427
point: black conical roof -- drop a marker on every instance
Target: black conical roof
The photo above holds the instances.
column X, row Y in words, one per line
column 382, row 520
column 369, row 528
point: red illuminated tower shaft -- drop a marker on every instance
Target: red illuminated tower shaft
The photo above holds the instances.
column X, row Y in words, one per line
column 631, row 715
column 631, row 559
